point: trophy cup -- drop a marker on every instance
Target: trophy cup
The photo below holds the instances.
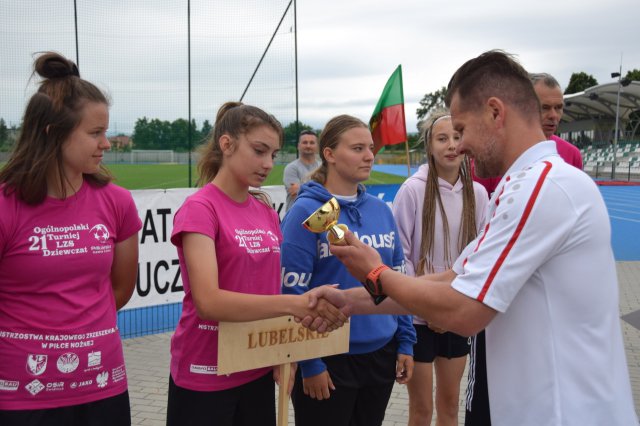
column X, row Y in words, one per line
column 325, row 219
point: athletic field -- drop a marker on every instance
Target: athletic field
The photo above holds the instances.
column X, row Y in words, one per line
column 163, row 176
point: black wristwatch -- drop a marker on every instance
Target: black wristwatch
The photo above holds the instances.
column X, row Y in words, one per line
column 373, row 285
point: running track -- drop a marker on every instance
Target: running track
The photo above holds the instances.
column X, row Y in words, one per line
column 623, row 204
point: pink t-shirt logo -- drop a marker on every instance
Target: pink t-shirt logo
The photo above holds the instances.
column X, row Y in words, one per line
column 34, row 387
column 100, row 233
column 36, row 364
column 68, row 362
column 102, row 379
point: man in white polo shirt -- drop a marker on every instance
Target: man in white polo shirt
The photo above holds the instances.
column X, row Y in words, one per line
column 540, row 278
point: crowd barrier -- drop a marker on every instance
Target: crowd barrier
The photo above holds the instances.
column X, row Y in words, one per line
column 157, row 299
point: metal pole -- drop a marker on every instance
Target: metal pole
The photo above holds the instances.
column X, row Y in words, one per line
column 190, row 137
column 75, row 18
column 265, row 51
column 615, row 137
column 295, row 42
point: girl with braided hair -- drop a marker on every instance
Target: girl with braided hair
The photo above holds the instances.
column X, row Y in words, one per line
column 438, row 210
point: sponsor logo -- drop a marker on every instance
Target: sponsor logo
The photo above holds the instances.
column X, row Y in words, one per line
column 34, row 387
column 377, row 241
column 102, row 379
column 95, row 358
column 292, row 279
column 118, row 373
column 81, row 384
column 36, row 364
column 100, row 233
column 55, row 386
column 9, row 385
column 203, row 369
column 67, row 363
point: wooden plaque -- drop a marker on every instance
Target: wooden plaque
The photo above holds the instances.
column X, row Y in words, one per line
column 248, row 345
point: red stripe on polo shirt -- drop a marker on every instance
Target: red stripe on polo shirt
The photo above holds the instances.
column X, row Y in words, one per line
column 486, row 228
column 517, row 232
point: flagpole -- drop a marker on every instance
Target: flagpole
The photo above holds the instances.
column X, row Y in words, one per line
column 406, row 148
column 406, row 142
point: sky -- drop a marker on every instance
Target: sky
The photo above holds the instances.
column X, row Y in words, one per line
column 346, row 50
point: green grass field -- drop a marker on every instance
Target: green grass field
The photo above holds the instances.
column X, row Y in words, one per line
column 163, row 176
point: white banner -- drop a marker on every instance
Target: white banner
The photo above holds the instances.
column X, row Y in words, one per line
column 159, row 280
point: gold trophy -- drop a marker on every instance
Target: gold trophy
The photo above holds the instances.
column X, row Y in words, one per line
column 325, row 219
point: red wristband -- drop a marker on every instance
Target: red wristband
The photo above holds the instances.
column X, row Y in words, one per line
column 373, row 280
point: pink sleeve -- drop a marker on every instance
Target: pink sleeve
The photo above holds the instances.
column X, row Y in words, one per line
column 130, row 223
column 569, row 152
column 194, row 216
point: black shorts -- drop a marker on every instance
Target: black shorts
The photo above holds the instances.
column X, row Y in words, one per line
column 363, row 383
column 113, row 411
column 250, row 404
column 431, row 345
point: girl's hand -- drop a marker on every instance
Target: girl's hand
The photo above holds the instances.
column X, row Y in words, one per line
column 404, row 368
column 319, row 386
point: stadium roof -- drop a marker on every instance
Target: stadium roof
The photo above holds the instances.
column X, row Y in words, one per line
column 599, row 102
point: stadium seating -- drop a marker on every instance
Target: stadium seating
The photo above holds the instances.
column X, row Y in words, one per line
column 598, row 161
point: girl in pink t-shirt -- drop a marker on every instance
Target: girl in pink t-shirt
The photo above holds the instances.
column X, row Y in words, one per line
column 228, row 239
column 68, row 261
column 439, row 210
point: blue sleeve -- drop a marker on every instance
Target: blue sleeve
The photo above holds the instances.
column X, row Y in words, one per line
column 405, row 334
column 299, row 248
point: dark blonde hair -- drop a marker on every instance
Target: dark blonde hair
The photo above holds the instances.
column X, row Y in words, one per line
column 52, row 114
column 233, row 119
column 432, row 198
column 330, row 137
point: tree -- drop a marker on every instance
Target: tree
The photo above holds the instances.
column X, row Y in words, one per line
column 206, row 129
column 580, row 81
column 4, row 132
column 633, row 75
column 152, row 134
column 431, row 102
column 634, row 117
column 162, row 134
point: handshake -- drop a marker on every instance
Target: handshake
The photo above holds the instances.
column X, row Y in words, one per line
column 328, row 307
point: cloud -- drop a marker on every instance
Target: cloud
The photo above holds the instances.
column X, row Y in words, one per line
column 346, row 50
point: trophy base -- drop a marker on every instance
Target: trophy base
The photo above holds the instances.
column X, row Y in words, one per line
column 336, row 234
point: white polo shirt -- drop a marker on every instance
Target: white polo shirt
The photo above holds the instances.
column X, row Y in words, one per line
column 544, row 261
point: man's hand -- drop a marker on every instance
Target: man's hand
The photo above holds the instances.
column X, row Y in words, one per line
column 358, row 258
column 404, row 368
column 293, row 190
column 321, row 313
column 318, row 386
column 332, row 316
